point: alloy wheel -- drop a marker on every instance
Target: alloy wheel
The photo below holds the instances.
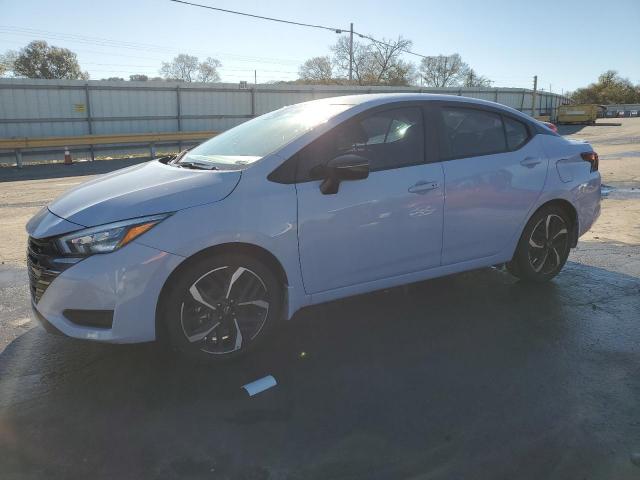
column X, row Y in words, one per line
column 224, row 309
column 548, row 244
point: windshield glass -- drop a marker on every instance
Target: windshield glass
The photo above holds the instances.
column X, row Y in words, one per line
column 260, row 136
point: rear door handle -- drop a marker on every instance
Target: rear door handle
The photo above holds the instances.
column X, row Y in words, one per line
column 530, row 162
column 423, row 187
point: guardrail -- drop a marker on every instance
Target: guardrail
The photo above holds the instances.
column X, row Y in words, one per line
column 18, row 144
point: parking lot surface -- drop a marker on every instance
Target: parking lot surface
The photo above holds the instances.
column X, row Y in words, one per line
column 471, row 376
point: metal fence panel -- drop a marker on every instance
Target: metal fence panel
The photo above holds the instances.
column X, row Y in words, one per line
column 44, row 108
column 197, row 102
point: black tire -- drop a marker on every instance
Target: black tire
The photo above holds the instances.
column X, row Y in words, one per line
column 221, row 307
column 544, row 246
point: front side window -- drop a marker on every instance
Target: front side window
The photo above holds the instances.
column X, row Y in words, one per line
column 468, row 132
column 390, row 139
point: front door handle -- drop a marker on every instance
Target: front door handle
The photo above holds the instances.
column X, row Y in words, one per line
column 423, row 187
column 530, row 162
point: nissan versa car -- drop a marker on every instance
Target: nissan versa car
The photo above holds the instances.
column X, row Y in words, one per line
column 211, row 248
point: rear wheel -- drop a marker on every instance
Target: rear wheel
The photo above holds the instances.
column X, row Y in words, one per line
column 544, row 246
column 222, row 307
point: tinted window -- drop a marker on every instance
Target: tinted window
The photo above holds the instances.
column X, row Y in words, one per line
column 469, row 132
column 389, row 139
column 517, row 133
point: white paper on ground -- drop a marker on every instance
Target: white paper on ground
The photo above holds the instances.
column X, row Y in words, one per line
column 260, row 385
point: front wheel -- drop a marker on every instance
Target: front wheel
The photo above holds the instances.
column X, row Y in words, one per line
column 220, row 307
column 544, row 246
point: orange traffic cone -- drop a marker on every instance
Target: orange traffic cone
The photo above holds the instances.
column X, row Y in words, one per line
column 67, row 156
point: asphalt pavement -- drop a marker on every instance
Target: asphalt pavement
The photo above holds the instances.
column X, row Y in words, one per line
column 472, row 376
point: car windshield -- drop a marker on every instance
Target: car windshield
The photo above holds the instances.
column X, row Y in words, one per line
column 252, row 140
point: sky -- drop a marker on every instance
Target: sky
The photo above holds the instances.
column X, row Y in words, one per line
column 567, row 44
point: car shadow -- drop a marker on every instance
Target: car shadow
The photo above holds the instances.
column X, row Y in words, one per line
column 445, row 375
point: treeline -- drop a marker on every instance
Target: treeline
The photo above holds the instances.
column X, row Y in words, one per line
column 374, row 63
column 41, row 60
column 610, row 88
column 382, row 63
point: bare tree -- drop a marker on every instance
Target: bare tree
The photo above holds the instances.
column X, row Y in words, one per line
column 443, row 70
column 388, row 67
column 208, row 70
column 7, row 59
column 187, row 68
column 138, row 78
column 375, row 63
column 317, row 70
column 361, row 59
column 183, row 67
column 472, row 79
column 39, row 60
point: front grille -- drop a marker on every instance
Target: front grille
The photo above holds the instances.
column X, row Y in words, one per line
column 42, row 266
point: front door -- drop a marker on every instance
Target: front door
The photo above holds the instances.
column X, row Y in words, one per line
column 383, row 226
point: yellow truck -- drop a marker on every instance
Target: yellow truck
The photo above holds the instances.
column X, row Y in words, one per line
column 579, row 113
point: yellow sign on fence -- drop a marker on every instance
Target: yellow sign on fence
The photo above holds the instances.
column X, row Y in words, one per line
column 79, row 107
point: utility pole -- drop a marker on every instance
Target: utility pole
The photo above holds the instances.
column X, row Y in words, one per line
column 351, row 52
column 533, row 96
column 255, row 77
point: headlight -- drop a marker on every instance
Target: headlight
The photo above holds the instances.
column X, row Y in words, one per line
column 106, row 238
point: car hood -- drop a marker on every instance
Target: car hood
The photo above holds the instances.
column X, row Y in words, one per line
column 144, row 189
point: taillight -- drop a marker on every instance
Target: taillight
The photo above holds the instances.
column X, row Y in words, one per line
column 592, row 158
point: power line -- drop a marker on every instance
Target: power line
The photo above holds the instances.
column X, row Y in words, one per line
column 105, row 42
column 261, row 17
column 301, row 24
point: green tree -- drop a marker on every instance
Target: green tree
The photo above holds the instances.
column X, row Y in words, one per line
column 138, row 78
column 610, row 88
column 39, row 60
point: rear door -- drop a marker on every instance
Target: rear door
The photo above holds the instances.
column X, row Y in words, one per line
column 494, row 172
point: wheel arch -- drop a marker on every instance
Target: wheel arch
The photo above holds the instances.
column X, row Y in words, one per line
column 258, row 252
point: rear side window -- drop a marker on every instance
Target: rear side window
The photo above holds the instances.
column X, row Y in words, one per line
column 388, row 139
column 517, row 133
column 468, row 132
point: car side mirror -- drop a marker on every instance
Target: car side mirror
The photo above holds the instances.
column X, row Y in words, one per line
column 343, row 168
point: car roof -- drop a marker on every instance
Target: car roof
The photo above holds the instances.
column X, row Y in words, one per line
column 376, row 99
column 381, row 98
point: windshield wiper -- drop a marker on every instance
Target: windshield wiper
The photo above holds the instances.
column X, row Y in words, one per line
column 196, row 166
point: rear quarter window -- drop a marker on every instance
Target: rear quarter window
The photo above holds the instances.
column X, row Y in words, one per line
column 517, row 133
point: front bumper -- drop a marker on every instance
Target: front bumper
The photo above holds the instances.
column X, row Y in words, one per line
column 127, row 282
